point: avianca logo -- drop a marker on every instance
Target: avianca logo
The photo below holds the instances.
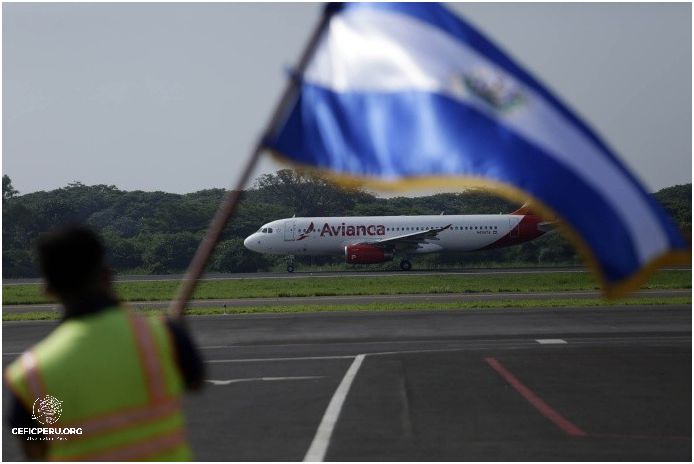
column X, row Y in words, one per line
column 308, row 231
column 351, row 231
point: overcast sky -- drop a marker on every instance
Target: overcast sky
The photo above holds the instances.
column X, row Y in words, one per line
column 172, row 96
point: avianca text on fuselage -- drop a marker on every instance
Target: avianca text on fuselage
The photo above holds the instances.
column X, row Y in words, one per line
column 344, row 230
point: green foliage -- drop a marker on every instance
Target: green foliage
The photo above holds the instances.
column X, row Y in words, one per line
column 8, row 191
column 158, row 232
column 232, row 256
column 677, row 201
column 18, row 263
column 166, row 252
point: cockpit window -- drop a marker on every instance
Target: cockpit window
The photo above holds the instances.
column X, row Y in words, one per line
column 269, row 230
column 264, row 230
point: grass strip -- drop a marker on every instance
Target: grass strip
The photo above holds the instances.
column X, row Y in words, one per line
column 386, row 307
column 338, row 286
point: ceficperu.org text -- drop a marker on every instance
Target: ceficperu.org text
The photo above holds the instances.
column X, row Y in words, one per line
column 47, row 431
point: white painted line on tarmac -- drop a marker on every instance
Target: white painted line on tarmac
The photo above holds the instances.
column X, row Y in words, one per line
column 301, row 358
column 319, row 445
column 263, row 379
column 551, row 341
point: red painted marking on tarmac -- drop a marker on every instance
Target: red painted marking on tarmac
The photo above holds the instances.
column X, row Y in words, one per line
column 544, row 409
column 639, row 437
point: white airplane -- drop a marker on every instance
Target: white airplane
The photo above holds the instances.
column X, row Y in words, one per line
column 377, row 239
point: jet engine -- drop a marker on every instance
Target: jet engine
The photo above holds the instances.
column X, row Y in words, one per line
column 366, row 254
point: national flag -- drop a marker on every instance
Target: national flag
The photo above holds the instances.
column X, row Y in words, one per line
column 407, row 94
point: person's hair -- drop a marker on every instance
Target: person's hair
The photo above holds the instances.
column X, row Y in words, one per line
column 71, row 258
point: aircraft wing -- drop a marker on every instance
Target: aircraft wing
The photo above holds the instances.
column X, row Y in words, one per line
column 409, row 241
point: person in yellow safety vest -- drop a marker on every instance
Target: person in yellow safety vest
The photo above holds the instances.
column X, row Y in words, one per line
column 105, row 384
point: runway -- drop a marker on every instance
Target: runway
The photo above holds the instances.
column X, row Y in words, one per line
column 327, row 274
column 332, row 274
column 364, row 299
column 611, row 383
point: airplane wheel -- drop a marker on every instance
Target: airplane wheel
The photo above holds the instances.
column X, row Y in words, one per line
column 290, row 268
column 405, row 265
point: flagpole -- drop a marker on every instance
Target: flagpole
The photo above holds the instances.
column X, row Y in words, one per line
column 231, row 199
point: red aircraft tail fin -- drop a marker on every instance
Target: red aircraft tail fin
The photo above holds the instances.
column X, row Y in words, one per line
column 524, row 210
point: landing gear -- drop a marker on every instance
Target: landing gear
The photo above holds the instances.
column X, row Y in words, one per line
column 405, row 265
column 290, row 263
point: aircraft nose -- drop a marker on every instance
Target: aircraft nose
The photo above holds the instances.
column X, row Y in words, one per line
column 248, row 243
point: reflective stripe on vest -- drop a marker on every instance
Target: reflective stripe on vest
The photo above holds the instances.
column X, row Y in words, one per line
column 122, row 419
column 32, row 375
column 149, row 358
column 140, row 450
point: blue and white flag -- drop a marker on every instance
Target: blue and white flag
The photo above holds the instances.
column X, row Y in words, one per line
column 400, row 93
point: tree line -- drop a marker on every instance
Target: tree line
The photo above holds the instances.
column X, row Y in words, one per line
column 158, row 232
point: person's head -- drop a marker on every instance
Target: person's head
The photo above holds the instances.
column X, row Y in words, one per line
column 72, row 262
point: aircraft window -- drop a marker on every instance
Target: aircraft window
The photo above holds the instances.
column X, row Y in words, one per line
column 269, row 230
column 264, row 231
column 475, row 227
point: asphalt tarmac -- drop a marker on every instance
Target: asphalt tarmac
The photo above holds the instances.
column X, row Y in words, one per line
column 300, row 273
column 364, row 299
column 328, row 274
column 605, row 384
